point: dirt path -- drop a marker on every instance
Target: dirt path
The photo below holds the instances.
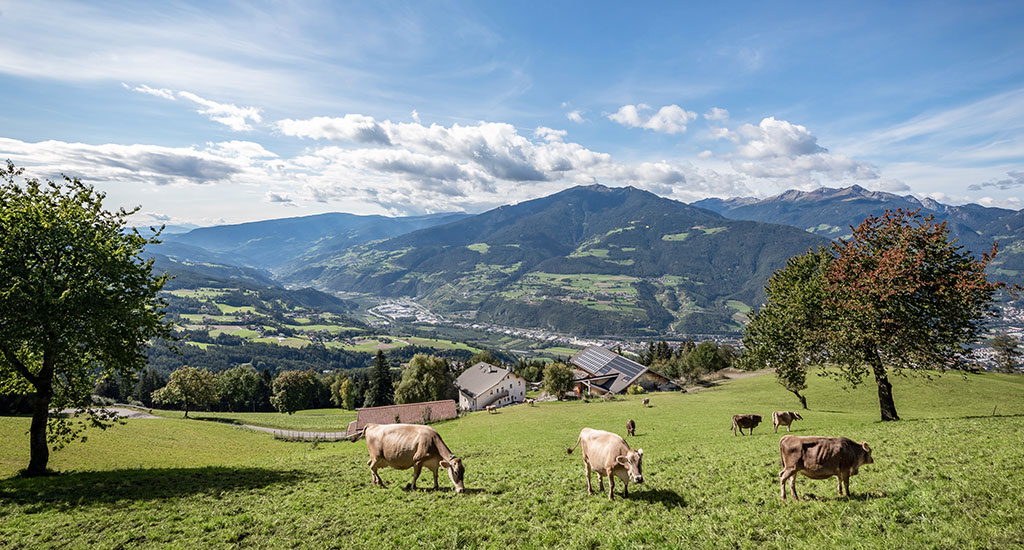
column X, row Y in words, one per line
column 299, row 435
column 122, row 412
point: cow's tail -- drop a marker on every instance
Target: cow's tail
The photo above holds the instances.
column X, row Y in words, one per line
column 357, row 436
column 573, row 448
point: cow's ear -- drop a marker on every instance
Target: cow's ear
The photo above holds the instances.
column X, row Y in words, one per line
column 640, row 452
column 445, row 464
column 622, row 460
column 865, row 446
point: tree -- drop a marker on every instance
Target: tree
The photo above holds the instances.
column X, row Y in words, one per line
column 149, row 382
column 189, row 387
column 483, row 356
column 347, row 394
column 900, row 295
column 380, row 392
column 1008, row 352
column 427, row 378
column 239, row 387
column 897, row 296
column 557, row 379
column 294, row 390
column 788, row 334
column 79, row 301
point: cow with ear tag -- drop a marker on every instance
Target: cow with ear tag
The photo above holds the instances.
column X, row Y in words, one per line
column 610, row 456
column 404, row 446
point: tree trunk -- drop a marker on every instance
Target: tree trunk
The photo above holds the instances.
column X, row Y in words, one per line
column 39, row 450
column 885, row 401
column 803, row 400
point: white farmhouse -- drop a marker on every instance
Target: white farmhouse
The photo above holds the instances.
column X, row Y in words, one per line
column 484, row 384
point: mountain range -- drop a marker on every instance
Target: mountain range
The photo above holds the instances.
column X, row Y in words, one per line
column 589, row 260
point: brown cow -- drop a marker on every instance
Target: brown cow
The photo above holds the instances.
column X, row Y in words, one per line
column 783, row 418
column 631, row 428
column 821, row 458
column 748, row 421
column 404, row 446
column 610, row 456
column 492, row 409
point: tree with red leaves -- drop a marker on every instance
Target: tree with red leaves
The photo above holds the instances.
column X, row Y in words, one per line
column 901, row 295
column 897, row 295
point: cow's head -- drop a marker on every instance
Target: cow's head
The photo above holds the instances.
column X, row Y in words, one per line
column 796, row 415
column 456, row 471
column 757, row 418
column 632, row 462
column 866, row 455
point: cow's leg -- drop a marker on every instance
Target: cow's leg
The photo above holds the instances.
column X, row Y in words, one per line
column 792, row 485
column 600, row 481
column 586, row 467
column 787, row 428
column 839, row 484
column 374, row 464
column 788, row 475
column 625, row 488
column 435, row 477
column 416, row 468
column 611, row 486
column 846, row 485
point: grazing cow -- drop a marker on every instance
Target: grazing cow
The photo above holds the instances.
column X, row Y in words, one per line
column 647, row 402
column 492, row 409
column 783, row 418
column 821, row 458
column 631, row 428
column 610, row 456
column 404, row 446
column 748, row 421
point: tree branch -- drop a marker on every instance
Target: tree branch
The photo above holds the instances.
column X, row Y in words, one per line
column 20, row 366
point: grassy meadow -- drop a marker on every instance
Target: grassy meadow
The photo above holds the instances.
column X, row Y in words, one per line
column 949, row 475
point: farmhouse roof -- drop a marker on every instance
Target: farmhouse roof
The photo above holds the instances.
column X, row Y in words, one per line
column 599, row 363
column 481, row 377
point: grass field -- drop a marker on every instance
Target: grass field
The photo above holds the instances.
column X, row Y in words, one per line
column 949, row 475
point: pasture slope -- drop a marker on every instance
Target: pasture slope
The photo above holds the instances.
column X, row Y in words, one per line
column 950, row 475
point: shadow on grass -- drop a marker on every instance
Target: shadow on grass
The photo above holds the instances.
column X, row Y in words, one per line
column 669, row 499
column 117, row 486
column 970, row 417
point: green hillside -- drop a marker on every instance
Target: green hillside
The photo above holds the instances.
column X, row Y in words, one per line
column 588, row 260
column 950, row 475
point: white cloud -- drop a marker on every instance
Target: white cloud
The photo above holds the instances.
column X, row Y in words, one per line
column 415, row 116
column 351, row 127
column 549, row 134
column 705, row 154
column 143, row 164
column 720, row 115
column 158, row 92
column 228, row 114
column 670, row 119
column 574, row 116
column 280, row 198
column 779, row 149
column 1015, row 180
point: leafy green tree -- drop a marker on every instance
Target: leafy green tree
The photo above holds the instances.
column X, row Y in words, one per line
column 78, row 302
column 189, row 387
column 427, row 378
column 295, row 390
column 484, row 357
column 788, row 334
column 149, row 381
column 380, row 392
column 557, row 379
column 897, row 296
column 240, row 388
column 1008, row 352
column 348, row 394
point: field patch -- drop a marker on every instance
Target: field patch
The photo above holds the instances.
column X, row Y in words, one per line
column 949, row 475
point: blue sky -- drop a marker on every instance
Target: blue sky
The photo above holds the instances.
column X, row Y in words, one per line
column 209, row 113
